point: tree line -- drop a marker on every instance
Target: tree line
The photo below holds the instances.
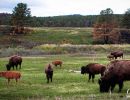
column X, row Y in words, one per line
column 106, row 25
column 59, row 21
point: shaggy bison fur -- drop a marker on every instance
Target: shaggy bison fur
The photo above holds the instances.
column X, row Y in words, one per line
column 117, row 72
column 49, row 73
column 92, row 69
column 14, row 61
column 57, row 62
column 117, row 54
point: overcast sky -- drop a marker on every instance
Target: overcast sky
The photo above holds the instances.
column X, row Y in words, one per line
column 67, row 7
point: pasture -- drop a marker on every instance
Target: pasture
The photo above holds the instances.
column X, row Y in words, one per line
column 66, row 85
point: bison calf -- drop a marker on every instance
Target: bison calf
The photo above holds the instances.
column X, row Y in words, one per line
column 92, row 69
column 10, row 75
column 57, row 62
column 49, row 73
column 117, row 54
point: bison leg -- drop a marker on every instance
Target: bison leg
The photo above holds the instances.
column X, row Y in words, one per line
column 89, row 77
column 93, row 76
column 16, row 67
column 120, row 86
column 47, row 79
column 16, row 80
column 20, row 66
column 13, row 67
column 122, row 56
column 51, row 78
column 112, row 86
column 8, row 80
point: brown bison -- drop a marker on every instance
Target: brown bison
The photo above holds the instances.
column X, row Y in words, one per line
column 14, row 61
column 116, row 73
column 10, row 75
column 49, row 73
column 57, row 62
column 92, row 69
column 117, row 54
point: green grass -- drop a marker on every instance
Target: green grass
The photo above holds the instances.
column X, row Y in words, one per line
column 66, row 85
column 47, row 35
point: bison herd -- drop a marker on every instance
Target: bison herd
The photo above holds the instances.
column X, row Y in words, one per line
column 116, row 72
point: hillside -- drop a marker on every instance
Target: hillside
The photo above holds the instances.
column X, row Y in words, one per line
column 48, row 36
column 54, row 40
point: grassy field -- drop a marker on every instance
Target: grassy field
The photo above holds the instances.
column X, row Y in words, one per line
column 71, row 45
column 66, row 85
column 47, row 35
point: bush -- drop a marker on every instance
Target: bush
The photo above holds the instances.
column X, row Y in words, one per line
column 5, row 29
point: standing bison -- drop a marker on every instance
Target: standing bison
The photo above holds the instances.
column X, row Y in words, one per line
column 10, row 75
column 14, row 61
column 49, row 73
column 92, row 69
column 116, row 73
column 57, row 62
column 117, row 54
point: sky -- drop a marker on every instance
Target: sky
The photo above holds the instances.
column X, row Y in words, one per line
column 66, row 7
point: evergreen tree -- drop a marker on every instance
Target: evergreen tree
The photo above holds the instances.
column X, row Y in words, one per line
column 21, row 14
column 126, row 19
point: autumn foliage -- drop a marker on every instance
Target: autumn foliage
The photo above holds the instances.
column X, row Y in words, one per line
column 106, row 33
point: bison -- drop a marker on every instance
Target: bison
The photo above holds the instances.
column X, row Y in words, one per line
column 49, row 73
column 117, row 72
column 117, row 54
column 10, row 75
column 92, row 69
column 14, row 61
column 57, row 62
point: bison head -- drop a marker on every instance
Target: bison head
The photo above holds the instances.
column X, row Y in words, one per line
column 104, row 85
column 83, row 70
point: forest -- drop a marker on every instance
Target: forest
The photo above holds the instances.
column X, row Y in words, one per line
column 75, row 20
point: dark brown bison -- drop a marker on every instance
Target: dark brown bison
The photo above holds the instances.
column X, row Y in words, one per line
column 49, row 73
column 117, row 72
column 117, row 54
column 92, row 69
column 57, row 62
column 14, row 61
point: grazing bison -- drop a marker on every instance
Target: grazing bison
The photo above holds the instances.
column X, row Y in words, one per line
column 92, row 69
column 49, row 73
column 57, row 62
column 14, row 61
column 117, row 72
column 117, row 54
column 10, row 75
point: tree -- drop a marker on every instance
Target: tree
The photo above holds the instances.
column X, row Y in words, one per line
column 126, row 19
column 104, row 28
column 20, row 16
column 106, row 16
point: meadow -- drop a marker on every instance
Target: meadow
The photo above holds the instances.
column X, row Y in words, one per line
column 71, row 45
column 66, row 85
